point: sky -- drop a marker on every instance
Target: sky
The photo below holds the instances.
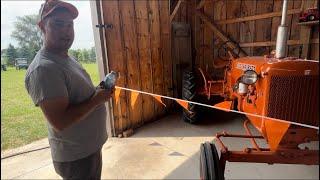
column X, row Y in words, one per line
column 10, row 10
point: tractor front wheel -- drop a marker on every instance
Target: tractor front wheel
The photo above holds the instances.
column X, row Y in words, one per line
column 209, row 162
column 189, row 94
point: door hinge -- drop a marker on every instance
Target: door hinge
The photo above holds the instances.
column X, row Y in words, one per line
column 107, row 26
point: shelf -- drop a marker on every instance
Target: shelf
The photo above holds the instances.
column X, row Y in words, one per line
column 308, row 23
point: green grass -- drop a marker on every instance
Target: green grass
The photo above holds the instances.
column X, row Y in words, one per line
column 21, row 121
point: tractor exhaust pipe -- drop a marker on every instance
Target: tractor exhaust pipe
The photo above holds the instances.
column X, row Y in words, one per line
column 281, row 45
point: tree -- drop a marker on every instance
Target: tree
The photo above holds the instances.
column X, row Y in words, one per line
column 92, row 55
column 4, row 58
column 85, row 55
column 11, row 54
column 81, row 57
column 25, row 52
column 75, row 54
column 27, row 33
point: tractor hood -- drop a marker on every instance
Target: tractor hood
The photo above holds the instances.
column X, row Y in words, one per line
column 262, row 65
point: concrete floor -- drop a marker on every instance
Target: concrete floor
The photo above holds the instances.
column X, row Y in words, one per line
column 165, row 149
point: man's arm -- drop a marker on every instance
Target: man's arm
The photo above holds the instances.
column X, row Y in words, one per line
column 61, row 114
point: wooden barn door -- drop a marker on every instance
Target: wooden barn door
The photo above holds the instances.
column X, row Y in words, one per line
column 137, row 38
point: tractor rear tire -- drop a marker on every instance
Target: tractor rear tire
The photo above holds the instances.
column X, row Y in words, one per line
column 189, row 93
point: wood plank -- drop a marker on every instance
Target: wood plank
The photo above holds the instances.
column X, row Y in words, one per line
column 175, row 10
column 273, row 43
column 143, row 38
column 208, row 39
column 166, row 52
column 132, row 59
column 190, row 12
column 258, row 16
column 315, row 32
column 117, row 63
column 201, row 42
column 201, row 4
column 157, row 64
column 197, row 31
column 247, row 29
column 314, row 54
column 305, row 31
column 183, row 10
column 234, row 11
column 263, row 30
column 295, row 32
column 191, row 20
column 289, row 23
column 277, row 6
column 174, row 57
column 124, row 124
column 220, row 14
column 214, row 28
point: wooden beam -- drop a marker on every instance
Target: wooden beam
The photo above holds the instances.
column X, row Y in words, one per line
column 247, row 29
column 132, row 61
column 156, row 61
column 175, row 10
column 143, row 39
column 294, row 51
column 201, row 4
column 273, row 43
column 220, row 35
column 256, row 17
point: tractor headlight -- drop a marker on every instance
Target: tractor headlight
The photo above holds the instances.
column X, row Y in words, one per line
column 249, row 77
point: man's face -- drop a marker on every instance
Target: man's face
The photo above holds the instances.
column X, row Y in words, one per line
column 58, row 31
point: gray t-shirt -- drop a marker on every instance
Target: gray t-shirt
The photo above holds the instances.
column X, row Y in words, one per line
column 50, row 76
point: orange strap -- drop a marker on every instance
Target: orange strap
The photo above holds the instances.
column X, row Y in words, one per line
column 134, row 97
column 117, row 94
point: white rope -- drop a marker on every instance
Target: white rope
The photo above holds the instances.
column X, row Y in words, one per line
column 219, row 108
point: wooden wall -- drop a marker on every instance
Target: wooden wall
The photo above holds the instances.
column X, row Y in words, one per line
column 256, row 36
column 138, row 46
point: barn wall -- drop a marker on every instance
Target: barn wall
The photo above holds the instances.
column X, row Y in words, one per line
column 255, row 37
column 138, row 46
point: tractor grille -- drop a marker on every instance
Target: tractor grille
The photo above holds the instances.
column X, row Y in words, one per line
column 294, row 98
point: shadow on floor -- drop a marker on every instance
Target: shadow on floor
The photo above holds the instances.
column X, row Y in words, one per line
column 212, row 122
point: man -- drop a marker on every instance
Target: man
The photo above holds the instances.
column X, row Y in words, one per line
column 73, row 107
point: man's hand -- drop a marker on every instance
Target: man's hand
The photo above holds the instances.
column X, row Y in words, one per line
column 103, row 95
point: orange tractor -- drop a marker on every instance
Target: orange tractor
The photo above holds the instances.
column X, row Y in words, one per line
column 278, row 94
